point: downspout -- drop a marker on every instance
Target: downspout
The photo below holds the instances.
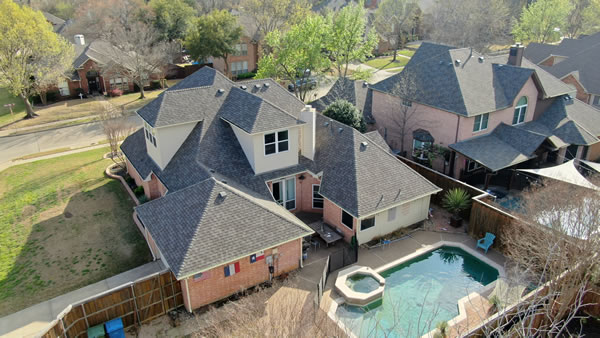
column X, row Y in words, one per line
column 187, row 291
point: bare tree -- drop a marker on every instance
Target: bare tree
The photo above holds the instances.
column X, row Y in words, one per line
column 393, row 18
column 275, row 14
column 138, row 54
column 116, row 128
column 470, row 23
column 555, row 247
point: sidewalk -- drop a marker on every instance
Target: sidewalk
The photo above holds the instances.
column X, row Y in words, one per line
column 9, row 164
column 9, row 132
column 33, row 321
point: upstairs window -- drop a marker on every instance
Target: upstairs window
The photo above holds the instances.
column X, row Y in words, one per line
column 367, row 223
column 520, row 111
column 407, row 103
column 481, row 122
column 241, row 49
column 276, row 142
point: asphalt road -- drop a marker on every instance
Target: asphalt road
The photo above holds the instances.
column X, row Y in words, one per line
column 12, row 147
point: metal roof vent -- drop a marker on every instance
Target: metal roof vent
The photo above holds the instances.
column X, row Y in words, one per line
column 243, row 87
column 481, row 58
column 212, row 170
column 365, row 84
column 449, row 63
column 340, row 130
column 441, row 62
column 223, row 181
column 326, row 124
column 257, row 86
column 221, row 90
column 457, row 62
column 266, row 84
column 223, row 194
column 364, row 144
column 568, row 99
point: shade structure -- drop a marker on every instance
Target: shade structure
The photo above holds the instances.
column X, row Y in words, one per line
column 565, row 172
column 593, row 165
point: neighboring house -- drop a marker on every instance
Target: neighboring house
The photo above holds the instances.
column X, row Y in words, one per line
column 58, row 24
column 458, row 94
column 356, row 92
column 222, row 161
column 574, row 61
column 88, row 77
column 245, row 59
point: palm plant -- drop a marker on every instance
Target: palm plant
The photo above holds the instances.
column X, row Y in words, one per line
column 455, row 201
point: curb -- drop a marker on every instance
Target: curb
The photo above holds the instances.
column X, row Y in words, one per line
column 120, row 178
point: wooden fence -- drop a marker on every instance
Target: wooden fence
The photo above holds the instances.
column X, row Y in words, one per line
column 136, row 303
column 487, row 218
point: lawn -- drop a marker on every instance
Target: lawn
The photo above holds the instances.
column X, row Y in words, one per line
column 407, row 52
column 70, row 109
column 18, row 109
column 63, row 225
column 386, row 62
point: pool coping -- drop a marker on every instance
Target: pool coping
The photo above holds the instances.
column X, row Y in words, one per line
column 462, row 313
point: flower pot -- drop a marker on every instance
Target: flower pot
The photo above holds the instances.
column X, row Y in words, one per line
column 456, row 221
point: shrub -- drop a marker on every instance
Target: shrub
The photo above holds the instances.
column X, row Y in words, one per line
column 143, row 199
column 345, row 112
column 155, row 84
column 139, row 191
column 248, row 75
column 52, row 96
column 116, row 92
column 456, row 200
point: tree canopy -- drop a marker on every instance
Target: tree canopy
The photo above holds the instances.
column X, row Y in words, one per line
column 347, row 39
column 32, row 56
column 275, row 14
column 346, row 113
column 214, row 34
column 393, row 18
column 543, row 21
column 294, row 52
column 172, row 18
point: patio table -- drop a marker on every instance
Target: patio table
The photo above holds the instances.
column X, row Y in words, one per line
column 326, row 233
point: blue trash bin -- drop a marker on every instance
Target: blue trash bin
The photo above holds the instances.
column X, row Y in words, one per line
column 114, row 328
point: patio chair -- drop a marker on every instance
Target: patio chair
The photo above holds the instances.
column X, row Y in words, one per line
column 486, row 242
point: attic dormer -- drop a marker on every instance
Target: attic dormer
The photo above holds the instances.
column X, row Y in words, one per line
column 162, row 143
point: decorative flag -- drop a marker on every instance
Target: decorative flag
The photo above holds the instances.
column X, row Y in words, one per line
column 257, row 257
column 202, row 276
column 232, row 269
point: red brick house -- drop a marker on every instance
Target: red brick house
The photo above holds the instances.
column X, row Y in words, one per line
column 574, row 61
column 229, row 165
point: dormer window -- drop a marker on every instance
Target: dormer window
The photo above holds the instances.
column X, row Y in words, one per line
column 276, row 142
column 520, row 111
column 150, row 133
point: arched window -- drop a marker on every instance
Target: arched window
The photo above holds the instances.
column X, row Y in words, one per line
column 520, row 111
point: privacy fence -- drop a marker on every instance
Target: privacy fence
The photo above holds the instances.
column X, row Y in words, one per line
column 136, row 303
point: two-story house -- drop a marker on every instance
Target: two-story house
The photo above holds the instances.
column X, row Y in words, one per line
column 227, row 165
column 453, row 95
column 574, row 61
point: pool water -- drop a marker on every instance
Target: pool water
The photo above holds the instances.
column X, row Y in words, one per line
column 511, row 202
column 362, row 283
column 419, row 294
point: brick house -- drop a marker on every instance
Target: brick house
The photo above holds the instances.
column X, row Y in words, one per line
column 461, row 96
column 574, row 61
column 228, row 165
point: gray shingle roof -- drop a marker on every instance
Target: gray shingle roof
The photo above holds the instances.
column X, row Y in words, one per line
column 197, row 228
column 252, row 114
column 468, row 88
column 564, row 123
column 362, row 180
column 581, row 56
column 376, row 137
column 356, row 92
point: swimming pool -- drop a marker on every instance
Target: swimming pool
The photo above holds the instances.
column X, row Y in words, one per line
column 419, row 294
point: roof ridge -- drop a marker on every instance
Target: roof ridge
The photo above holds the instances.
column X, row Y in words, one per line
column 188, row 89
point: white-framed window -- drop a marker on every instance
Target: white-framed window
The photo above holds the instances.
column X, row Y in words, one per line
column 596, row 101
column 241, row 49
column 407, row 103
column 347, row 219
column 277, row 142
column 63, row 88
column 284, row 192
column 317, row 199
column 239, row 67
column 520, row 111
column 367, row 223
column 150, row 133
column 420, row 149
column 481, row 122
column 392, row 214
column 472, row 165
column 119, row 83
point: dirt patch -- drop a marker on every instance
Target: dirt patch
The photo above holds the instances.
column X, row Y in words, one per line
column 29, row 210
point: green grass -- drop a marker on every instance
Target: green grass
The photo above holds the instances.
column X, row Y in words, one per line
column 18, row 109
column 395, row 70
column 63, row 225
column 407, row 52
column 386, row 62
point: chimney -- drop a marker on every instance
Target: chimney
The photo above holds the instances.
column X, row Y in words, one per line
column 516, row 55
column 308, row 115
column 79, row 39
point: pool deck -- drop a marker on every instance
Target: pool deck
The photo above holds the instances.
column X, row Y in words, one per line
column 474, row 307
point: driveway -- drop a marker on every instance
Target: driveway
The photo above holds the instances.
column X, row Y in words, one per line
column 12, row 147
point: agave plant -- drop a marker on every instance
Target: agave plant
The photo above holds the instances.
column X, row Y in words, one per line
column 456, row 200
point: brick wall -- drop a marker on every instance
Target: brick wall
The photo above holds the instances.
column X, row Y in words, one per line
column 304, row 193
column 548, row 62
column 153, row 188
column 332, row 215
column 581, row 94
column 217, row 286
